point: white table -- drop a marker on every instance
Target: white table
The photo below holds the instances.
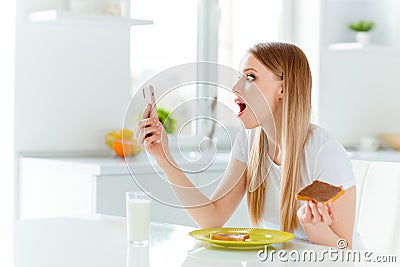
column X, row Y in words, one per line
column 101, row 241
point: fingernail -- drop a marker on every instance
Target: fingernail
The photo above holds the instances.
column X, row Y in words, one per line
column 160, row 127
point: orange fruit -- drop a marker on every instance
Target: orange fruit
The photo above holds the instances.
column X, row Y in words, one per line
column 123, row 148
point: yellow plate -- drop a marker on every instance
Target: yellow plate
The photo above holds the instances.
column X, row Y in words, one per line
column 258, row 237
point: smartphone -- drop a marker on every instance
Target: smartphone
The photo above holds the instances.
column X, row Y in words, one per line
column 149, row 97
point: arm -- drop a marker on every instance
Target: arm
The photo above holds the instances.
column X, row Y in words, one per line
column 214, row 211
column 325, row 225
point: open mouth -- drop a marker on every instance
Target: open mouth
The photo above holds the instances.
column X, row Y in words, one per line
column 242, row 106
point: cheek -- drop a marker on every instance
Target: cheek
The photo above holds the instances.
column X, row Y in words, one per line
column 261, row 100
column 259, row 111
column 271, row 96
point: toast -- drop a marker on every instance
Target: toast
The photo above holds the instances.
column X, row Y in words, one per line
column 230, row 237
column 320, row 191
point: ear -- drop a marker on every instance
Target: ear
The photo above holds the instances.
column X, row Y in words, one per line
column 281, row 93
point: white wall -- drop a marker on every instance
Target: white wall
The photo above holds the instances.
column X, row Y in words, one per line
column 7, row 201
column 360, row 93
column 358, row 89
column 72, row 81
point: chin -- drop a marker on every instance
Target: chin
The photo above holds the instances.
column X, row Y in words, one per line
column 249, row 124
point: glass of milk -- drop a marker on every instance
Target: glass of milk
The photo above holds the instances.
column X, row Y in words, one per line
column 138, row 256
column 138, row 217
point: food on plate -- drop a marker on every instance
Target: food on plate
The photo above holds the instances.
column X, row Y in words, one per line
column 320, row 191
column 230, row 237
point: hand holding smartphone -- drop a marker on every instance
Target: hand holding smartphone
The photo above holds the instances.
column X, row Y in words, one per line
column 149, row 97
column 150, row 132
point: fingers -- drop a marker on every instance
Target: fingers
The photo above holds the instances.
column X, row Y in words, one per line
column 148, row 122
column 151, row 139
column 147, row 132
column 147, row 127
column 146, row 112
column 319, row 213
column 308, row 213
column 316, row 217
column 301, row 213
column 304, row 214
column 153, row 111
column 323, row 211
column 332, row 211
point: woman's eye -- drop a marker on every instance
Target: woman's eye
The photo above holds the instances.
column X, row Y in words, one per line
column 250, row 77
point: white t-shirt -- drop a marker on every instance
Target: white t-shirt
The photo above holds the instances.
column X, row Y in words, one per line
column 325, row 160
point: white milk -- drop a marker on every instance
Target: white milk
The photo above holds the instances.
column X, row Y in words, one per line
column 138, row 219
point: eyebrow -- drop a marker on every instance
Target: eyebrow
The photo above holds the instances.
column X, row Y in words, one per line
column 249, row 69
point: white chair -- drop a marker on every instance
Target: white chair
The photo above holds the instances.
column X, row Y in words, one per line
column 378, row 206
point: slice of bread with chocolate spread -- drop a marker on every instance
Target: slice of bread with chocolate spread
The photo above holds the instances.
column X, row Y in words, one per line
column 320, row 191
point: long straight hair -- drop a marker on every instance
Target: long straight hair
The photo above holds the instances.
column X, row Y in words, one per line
column 290, row 63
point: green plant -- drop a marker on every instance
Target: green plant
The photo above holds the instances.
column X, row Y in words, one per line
column 362, row 26
column 166, row 119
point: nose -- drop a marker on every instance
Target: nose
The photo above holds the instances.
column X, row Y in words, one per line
column 238, row 87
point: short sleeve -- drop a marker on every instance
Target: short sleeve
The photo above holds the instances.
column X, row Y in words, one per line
column 334, row 166
column 240, row 147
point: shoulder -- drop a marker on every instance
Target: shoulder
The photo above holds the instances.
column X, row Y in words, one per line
column 319, row 139
column 327, row 159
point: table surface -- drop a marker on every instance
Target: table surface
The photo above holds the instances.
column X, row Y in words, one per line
column 101, row 241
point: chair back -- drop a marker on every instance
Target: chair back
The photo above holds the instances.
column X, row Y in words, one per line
column 378, row 205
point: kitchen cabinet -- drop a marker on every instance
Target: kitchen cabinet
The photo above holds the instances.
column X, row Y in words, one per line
column 81, row 186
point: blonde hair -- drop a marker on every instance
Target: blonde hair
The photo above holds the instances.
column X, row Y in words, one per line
column 290, row 63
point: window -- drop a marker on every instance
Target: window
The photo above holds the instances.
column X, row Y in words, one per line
column 170, row 41
column 242, row 24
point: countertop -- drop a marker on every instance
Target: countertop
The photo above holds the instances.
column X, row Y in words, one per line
column 111, row 165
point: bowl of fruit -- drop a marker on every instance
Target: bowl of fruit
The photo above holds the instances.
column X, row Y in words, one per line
column 123, row 143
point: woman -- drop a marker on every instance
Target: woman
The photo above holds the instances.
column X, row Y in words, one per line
column 279, row 153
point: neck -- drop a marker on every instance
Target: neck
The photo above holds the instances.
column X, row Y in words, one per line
column 274, row 143
column 274, row 139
